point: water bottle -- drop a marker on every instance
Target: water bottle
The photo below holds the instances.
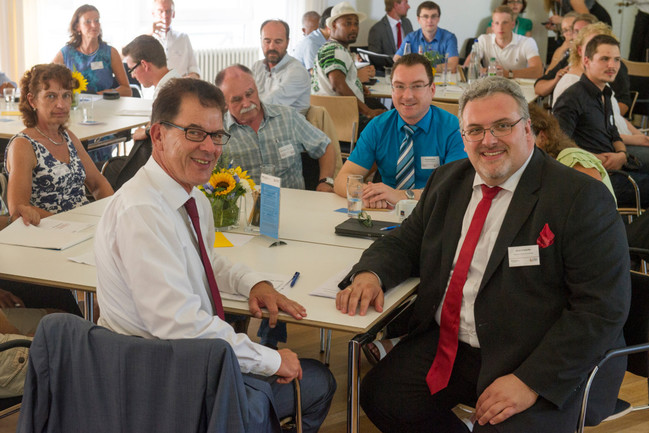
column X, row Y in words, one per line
column 492, row 70
column 406, row 49
column 474, row 72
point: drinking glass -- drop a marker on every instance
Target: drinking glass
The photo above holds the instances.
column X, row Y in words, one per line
column 354, row 195
column 9, row 94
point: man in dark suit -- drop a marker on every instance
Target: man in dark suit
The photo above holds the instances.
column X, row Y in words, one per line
column 387, row 34
column 543, row 290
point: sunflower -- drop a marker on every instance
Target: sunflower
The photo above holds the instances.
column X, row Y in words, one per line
column 82, row 83
column 223, row 183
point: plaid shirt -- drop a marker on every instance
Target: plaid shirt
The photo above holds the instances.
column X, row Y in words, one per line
column 283, row 135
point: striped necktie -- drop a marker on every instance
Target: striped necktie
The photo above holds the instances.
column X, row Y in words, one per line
column 406, row 163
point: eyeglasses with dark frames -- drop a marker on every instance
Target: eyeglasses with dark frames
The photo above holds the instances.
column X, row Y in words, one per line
column 500, row 129
column 196, row 134
column 130, row 70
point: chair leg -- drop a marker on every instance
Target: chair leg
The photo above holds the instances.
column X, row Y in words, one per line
column 322, row 340
column 328, row 350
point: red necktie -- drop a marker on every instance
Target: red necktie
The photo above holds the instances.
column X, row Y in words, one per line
column 192, row 211
column 398, row 34
column 440, row 372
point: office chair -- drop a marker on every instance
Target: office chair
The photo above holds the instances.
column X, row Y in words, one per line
column 11, row 405
column 636, row 334
column 119, row 169
column 83, row 377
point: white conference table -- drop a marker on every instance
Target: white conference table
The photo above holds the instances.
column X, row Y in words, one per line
column 450, row 93
column 310, row 216
column 112, row 116
column 307, row 221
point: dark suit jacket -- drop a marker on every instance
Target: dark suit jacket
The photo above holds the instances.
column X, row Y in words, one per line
column 547, row 324
column 86, row 378
column 381, row 40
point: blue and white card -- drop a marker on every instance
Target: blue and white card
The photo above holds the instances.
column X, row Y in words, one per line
column 269, row 212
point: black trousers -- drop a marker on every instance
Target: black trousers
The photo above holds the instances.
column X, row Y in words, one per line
column 394, row 395
column 35, row 296
column 640, row 38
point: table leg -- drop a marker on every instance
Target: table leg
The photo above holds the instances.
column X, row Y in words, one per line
column 88, row 304
column 353, row 385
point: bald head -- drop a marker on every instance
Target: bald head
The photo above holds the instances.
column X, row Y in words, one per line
column 241, row 96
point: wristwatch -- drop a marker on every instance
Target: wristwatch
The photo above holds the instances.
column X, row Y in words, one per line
column 409, row 194
column 328, row 180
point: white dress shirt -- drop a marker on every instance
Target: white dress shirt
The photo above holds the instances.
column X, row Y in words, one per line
column 515, row 55
column 180, row 54
column 288, row 83
column 642, row 5
column 393, row 26
column 164, row 80
column 150, row 278
column 495, row 217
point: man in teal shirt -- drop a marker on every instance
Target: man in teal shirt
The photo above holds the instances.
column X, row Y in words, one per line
column 432, row 134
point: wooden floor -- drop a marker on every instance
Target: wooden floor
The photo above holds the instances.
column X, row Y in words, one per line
column 304, row 341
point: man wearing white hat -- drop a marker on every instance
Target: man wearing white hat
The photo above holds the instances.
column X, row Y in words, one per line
column 334, row 72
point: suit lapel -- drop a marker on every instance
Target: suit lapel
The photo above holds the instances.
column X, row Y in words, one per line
column 520, row 208
column 388, row 32
column 452, row 228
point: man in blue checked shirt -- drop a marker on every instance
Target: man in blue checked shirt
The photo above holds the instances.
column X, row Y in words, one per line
column 430, row 37
column 406, row 143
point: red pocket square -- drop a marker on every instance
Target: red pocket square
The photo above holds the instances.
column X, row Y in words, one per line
column 546, row 238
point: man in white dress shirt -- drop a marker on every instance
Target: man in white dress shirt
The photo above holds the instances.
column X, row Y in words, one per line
column 178, row 47
column 147, row 63
column 151, row 281
column 517, row 55
column 280, row 78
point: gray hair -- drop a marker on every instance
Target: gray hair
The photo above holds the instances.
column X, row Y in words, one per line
column 489, row 86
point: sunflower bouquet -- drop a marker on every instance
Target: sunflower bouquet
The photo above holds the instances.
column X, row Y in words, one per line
column 225, row 187
column 80, row 85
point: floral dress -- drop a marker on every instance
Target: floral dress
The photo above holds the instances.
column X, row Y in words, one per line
column 56, row 186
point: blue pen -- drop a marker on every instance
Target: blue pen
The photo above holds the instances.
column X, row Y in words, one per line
column 388, row 228
column 294, row 279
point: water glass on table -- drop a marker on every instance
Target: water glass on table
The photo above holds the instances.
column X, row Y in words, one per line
column 9, row 94
column 354, row 195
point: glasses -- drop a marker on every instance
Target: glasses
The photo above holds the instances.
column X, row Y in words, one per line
column 515, row 2
column 428, row 17
column 130, row 70
column 365, row 219
column 196, row 134
column 501, row 129
column 414, row 87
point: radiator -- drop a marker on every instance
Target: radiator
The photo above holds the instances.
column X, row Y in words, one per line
column 214, row 60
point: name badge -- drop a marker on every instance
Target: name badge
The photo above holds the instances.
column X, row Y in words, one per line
column 97, row 65
column 286, row 151
column 429, row 162
column 527, row 255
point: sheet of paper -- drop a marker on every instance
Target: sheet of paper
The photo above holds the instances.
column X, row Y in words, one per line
column 142, row 113
column 54, row 234
column 329, row 289
column 238, row 239
column 279, row 281
column 85, row 259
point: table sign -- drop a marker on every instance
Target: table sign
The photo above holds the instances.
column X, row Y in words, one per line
column 269, row 212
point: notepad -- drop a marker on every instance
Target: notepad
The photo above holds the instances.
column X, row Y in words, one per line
column 51, row 234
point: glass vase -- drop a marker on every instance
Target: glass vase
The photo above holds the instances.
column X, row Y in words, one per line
column 226, row 214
